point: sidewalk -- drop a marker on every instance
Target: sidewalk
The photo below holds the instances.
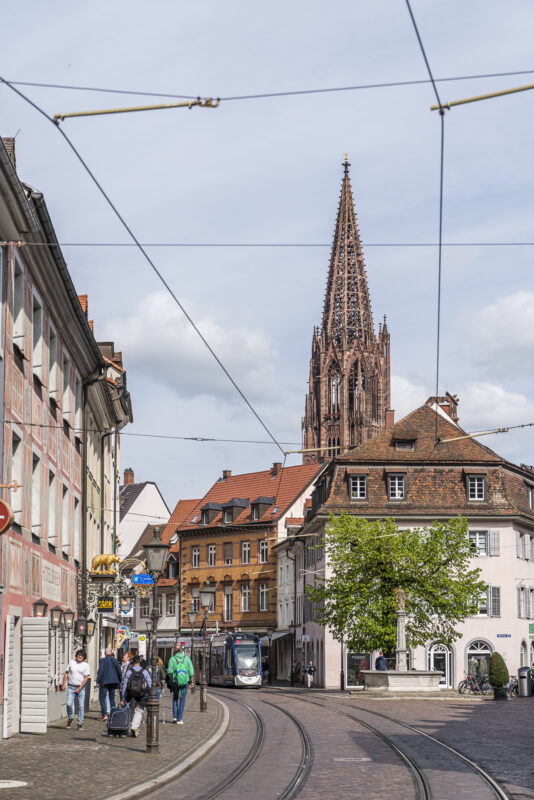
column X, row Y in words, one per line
column 70, row 764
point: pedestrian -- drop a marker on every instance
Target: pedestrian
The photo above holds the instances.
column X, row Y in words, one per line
column 75, row 678
column 310, row 670
column 109, row 679
column 126, row 662
column 135, row 690
column 265, row 670
column 160, row 677
column 381, row 662
column 181, row 671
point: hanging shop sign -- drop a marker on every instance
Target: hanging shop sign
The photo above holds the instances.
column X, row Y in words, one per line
column 142, row 579
column 105, row 605
column 6, row 516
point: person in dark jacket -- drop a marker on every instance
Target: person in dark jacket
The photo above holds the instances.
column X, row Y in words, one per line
column 108, row 679
column 381, row 662
column 137, row 703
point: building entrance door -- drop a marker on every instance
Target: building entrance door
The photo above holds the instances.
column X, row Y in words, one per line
column 440, row 659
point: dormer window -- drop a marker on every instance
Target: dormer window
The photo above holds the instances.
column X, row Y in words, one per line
column 209, row 512
column 205, row 518
column 476, row 487
column 405, row 444
column 233, row 509
column 228, row 515
column 260, row 506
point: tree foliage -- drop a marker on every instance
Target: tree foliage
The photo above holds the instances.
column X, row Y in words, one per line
column 366, row 561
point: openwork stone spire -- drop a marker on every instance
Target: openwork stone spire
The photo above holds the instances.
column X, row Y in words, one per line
column 347, row 309
column 349, row 385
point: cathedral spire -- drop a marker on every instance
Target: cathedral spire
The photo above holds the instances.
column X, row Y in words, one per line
column 347, row 314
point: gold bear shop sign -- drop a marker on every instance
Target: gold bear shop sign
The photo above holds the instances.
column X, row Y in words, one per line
column 104, row 604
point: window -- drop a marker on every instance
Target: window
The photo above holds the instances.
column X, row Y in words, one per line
column 489, row 604
column 521, row 602
column 404, row 444
column 212, row 552
column 530, row 495
column 77, row 529
column 263, row 597
column 195, row 557
column 479, row 542
column 16, row 475
column 172, row 569
column 18, row 308
column 205, row 518
column 144, row 607
column 52, row 508
column 195, row 599
column 263, row 551
column 228, row 515
column 476, row 487
column 396, row 487
column 52, row 364
column 228, row 603
column 65, row 518
column 67, row 391
column 160, row 604
column 37, row 340
column 483, row 606
column 245, row 552
column 358, row 487
column 523, row 545
column 228, row 555
column 36, row 499
column 245, row 597
column 171, row 605
column 78, row 422
column 255, row 512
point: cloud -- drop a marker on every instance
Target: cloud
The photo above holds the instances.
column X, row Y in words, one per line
column 159, row 343
column 406, row 395
column 501, row 334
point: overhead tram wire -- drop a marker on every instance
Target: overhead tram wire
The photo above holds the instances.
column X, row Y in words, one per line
column 440, row 227
column 266, row 95
column 146, row 256
column 265, row 244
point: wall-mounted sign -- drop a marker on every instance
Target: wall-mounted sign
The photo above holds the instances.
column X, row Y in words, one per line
column 6, row 516
column 305, row 637
column 105, row 605
column 505, row 635
column 531, row 630
column 142, row 579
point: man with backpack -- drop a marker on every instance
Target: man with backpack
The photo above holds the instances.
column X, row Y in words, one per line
column 180, row 673
column 136, row 691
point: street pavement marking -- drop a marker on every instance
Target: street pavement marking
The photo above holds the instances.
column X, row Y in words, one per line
column 353, row 759
column 12, row 784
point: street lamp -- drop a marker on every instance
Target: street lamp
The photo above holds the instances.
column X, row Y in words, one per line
column 270, row 632
column 192, row 617
column 206, row 600
column 39, row 608
column 91, row 624
column 55, row 617
column 293, row 630
column 68, row 619
column 156, row 553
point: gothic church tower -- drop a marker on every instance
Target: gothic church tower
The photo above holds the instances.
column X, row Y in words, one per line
column 349, row 385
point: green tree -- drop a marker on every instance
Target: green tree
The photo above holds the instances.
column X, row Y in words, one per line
column 367, row 561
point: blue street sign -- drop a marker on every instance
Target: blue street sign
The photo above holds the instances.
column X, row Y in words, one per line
column 142, row 579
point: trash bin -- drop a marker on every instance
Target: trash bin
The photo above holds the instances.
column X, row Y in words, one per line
column 523, row 679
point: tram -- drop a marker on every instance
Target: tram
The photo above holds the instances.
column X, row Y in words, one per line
column 233, row 659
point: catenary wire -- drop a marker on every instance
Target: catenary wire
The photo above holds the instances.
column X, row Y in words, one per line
column 146, row 256
column 290, row 93
column 146, row 435
column 264, row 244
column 440, row 223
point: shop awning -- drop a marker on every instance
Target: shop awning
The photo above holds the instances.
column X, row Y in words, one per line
column 276, row 635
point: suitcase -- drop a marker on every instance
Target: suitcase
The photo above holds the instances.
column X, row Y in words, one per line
column 118, row 721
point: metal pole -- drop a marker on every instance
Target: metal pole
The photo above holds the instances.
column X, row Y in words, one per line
column 270, row 661
column 152, row 721
column 342, row 673
column 203, row 676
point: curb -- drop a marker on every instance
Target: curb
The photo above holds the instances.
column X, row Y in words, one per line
column 183, row 766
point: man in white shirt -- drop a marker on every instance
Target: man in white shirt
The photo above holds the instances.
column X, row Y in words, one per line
column 77, row 674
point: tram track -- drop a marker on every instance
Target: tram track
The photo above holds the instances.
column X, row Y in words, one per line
column 294, row 786
column 421, row 785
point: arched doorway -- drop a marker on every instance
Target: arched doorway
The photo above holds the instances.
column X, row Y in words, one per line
column 440, row 659
column 478, row 658
column 523, row 656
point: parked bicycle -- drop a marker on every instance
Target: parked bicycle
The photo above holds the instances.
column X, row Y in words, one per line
column 513, row 687
column 474, row 685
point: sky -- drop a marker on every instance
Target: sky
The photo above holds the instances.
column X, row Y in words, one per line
column 268, row 170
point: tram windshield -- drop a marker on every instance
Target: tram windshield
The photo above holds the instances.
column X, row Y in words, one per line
column 246, row 656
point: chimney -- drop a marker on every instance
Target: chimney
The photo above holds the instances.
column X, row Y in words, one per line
column 226, row 473
column 129, row 479
column 9, row 144
column 448, row 404
column 390, row 418
column 84, row 304
column 276, row 468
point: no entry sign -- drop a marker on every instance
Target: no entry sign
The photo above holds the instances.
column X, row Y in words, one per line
column 6, row 516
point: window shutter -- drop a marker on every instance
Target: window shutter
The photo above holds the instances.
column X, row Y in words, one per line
column 228, row 550
column 518, row 602
column 9, row 656
column 527, row 604
column 518, row 544
column 495, row 601
column 526, row 541
column 34, row 694
column 495, row 543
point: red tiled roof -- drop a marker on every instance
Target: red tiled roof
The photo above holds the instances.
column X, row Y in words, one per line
column 183, row 509
column 294, row 520
column 284, row 486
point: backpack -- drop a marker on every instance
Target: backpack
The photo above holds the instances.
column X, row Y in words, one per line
column 180, row 674
column 137, row 686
